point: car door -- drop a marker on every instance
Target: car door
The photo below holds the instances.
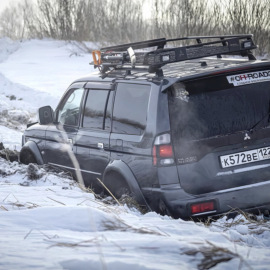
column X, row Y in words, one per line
column 60, row 136
column 92, row 140
column 130, row 140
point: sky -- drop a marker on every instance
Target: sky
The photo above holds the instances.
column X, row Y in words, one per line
column 5, row 3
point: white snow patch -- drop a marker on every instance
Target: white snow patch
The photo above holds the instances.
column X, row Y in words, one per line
column 243, row 229
column 7, row 47
column 46, row 65
column 11, row 138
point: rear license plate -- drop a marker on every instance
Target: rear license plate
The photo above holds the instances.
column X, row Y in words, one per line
column 245, row 157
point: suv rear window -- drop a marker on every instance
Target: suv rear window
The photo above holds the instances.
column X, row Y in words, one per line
column 208, row 108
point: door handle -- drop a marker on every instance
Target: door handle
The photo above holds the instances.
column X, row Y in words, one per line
column 69, row 141
column 100, row 145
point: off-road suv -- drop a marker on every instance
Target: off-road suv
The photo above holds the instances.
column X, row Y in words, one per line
column 183, row 133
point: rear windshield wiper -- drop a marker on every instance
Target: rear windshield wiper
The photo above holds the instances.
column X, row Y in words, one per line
column 260, row 121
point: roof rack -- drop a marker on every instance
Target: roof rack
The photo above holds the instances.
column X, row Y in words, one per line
column 124, row 57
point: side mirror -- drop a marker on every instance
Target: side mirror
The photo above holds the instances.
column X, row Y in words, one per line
column 45, row 115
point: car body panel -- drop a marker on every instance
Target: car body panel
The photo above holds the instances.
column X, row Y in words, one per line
column 59, row 148
column 93, row 155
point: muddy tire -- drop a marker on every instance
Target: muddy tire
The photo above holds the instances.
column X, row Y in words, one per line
column 117, row 185
column 27, row 157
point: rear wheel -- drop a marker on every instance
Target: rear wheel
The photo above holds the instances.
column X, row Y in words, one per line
column 116, row 185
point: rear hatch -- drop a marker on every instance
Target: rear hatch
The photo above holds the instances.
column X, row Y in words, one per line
column 220, row 130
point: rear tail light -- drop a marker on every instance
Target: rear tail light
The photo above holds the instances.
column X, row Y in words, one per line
column 163, row 150
column 202, row 207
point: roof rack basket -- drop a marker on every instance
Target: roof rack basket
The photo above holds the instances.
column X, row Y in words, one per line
column 124, row 57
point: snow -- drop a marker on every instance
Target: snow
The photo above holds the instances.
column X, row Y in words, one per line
column 52, row 223
column 11, row 138
column 39, row 64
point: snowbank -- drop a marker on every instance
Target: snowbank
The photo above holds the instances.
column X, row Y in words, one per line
column 7, row 47
column 45, row 65
column 50, row 223
column 36, row 73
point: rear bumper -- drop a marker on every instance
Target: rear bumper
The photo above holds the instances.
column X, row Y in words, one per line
column 250, row 197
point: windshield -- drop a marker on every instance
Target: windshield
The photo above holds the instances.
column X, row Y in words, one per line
column 213, row 107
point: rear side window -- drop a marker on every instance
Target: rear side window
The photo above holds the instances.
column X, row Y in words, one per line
column 94, row 111
column 130, row 108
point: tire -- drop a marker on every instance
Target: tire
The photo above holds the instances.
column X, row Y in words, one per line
column 163, row 210
column 27, row 157
column 117, row 185
column 119, row 188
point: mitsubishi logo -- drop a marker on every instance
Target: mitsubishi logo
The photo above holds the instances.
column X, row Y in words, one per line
column 247, row 137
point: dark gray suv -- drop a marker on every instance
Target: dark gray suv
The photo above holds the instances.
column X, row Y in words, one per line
column 184, row 134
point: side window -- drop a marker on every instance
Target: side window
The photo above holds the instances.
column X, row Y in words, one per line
column 70, row 112
column 130, row 108
column 93, row 116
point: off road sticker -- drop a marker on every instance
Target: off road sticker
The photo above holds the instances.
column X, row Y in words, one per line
column 250, row 77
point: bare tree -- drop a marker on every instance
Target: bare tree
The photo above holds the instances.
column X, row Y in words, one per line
column 11, row 23
column 115, row 21
column 118, row 21
column 248, row 16
column 180, row 18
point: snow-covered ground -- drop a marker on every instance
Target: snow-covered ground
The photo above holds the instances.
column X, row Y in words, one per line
column 45, row 65
column 51, row 223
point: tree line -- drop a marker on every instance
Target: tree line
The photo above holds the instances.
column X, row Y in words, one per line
column 117, row 21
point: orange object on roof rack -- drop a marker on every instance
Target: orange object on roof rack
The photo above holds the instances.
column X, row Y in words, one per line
column 96, row 57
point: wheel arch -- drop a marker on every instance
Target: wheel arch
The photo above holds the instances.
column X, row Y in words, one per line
column 122, row 169
column 31, row 147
